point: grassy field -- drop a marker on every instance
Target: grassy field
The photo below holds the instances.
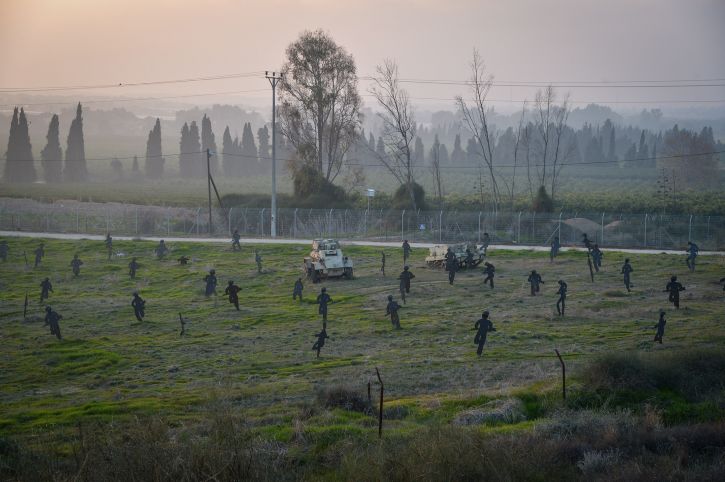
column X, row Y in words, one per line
column 255, row 370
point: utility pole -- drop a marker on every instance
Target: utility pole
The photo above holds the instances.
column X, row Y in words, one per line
column 208, row 182
column 273, row 80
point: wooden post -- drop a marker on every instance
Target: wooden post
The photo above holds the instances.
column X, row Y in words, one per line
column 563, row 374
column 370, row 398
column 25, row 306
column 380, row 412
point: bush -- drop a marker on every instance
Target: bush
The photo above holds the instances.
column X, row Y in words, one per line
column 401, row 198
column 346, row 399
column 543, row 202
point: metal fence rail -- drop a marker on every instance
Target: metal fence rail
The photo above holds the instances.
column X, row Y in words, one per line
column 647, row 230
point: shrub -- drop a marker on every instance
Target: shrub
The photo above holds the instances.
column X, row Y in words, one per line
column 401, row 198
column 345, row 398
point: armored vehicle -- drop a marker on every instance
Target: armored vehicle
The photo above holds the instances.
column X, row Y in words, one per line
column 437, row 255
column 326, row 260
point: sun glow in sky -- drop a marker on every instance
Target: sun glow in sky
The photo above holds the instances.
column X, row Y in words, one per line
column 71, row 42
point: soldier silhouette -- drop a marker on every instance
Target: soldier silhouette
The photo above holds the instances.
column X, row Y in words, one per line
column 626, row 270
column 210, row 281
column 321, row 337
column 139, row 306
column 132, row 267
column 535, row 280
column 161, row 250
column 109, row 244
column 392, row 310
column 39, row 253
column 722, row 281
column 76, row 264
column 561, row 302
column 482, row 327
column 232, row 291
column 323, row 299
column 52, row 318
column 235, row 240
column 4, row 250
column 183, row 260
column 297, row 291
column 382, row 266
column 692, row 251
column 486, row 240
column 401, row 288
column 405, row 276
column 587, row 242
column 597, row 257
column 554, row 252
column 406, row 251
column 660, row 327
column 490, row 271
column 451, row 266
column 45, row 288
column 674, row 287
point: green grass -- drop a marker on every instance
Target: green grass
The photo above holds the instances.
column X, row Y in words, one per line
column 258, row 362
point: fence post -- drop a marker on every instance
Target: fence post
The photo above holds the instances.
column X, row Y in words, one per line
column 365, row 223
column 168, row 223
column 689, row 230
column 329, row 223
column 479, row 226
column 708, row 227
column 47, row 223
column 294, row 226
column 533, row 228
column 646, row 215
column 602, row 235
column 261, row 222
column 518, row 230
column 78, row 220
column 559, row 228
column 402, row 226
column 440, row 226
column 563, row 374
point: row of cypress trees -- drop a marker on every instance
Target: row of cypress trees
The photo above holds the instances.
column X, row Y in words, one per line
column 239, row 156
column 20, row 166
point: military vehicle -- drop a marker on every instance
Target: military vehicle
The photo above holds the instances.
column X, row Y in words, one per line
column 437, row 255
column 326, row 260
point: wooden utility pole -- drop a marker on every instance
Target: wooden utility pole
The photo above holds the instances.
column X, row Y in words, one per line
column 273, row 80
column 380, row 411
column 208, row 183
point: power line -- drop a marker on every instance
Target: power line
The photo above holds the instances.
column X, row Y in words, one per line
column 652, row 83
column 125, row 99
column 129, row 84
column 635, row 84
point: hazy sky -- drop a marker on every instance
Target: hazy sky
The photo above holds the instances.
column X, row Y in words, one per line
column 71, row 42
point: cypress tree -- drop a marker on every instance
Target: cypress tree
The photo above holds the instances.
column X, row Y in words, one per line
column 185, row 161
column 52, row 154
column 457, row 156
column 154, row 161
column 264, row 145
column 75, row 154
column 249, row 147
column 228, row 158
column 419, row 151
column 19, row 165
column 208, row 142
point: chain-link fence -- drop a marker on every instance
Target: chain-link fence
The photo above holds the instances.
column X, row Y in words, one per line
column 653, row 231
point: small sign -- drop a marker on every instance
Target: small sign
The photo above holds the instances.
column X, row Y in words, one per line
column 370, row 193
column 422, row 227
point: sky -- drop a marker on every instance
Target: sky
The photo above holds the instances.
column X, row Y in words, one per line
column 85, row 42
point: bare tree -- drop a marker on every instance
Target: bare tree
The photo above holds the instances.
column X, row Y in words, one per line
column 399, row 127
column 319, row 101
column 476, row 120
column 550, row 121
column 517, row 147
